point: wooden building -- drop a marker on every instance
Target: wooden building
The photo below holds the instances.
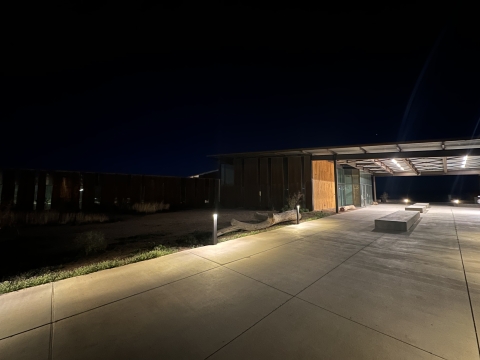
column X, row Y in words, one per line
column 268, row 182
column 327, row 178
column 330, row 177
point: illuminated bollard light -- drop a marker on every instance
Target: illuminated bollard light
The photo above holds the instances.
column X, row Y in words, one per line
column 214, row 240
column 298, row 214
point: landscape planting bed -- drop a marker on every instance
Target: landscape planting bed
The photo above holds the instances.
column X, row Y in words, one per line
column 24, row 249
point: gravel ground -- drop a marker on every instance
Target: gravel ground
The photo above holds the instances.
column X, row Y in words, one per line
column 34, row 247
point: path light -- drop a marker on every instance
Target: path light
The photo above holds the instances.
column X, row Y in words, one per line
column 456, row 201
column 214, row 240
column 406, row 200
column 298, row 213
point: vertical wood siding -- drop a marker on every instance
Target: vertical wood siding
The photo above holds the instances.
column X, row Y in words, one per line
column 323, row 185
column 307, row 178
column 8, row 189
column 251, row 187
column 88, row 196
column 42, row 179
column 277, row 185
column 264, row 184
column 294, row 175
column 26, row 190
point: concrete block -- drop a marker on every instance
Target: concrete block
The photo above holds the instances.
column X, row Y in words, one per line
column 427, row 205
column 415, row 208
column 397, row 221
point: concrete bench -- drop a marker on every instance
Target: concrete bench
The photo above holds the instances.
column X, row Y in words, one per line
column 427, row 205
column 416, row 207
column 397, row 221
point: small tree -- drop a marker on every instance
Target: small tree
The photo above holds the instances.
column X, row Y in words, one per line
column 384, row 197
column 293, row 201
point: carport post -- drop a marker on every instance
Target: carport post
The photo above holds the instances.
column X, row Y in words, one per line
column 214, row 235
column 336, row 182
column 374, row 189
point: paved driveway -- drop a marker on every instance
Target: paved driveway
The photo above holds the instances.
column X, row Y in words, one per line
column 326, row 289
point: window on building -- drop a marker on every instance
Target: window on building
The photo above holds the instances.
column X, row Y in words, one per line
column 227, row 174
column 341, row 196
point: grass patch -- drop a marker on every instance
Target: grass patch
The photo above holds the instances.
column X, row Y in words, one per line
column 44, row 276
column 141, row 237
column 197, row 238
column 314, row 215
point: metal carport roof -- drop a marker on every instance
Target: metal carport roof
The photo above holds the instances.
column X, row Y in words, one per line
column 416, row 158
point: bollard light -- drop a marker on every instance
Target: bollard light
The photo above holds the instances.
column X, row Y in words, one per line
column 214, row 235
column 406, row 200
column 298, row 213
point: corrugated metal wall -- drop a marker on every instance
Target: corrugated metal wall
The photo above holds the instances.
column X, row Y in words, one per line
column 103, row 191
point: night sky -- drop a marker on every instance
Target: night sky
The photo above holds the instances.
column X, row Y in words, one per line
column 155, row 89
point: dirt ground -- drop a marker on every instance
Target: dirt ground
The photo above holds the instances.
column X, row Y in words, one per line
column 29, row 248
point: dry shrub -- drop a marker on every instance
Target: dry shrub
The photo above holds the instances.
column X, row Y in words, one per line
column 150, row 208
column 91, row 242
column 10, row 218
column 293, row 201
column 82, row 218
column 7, row 218
column 42, row 218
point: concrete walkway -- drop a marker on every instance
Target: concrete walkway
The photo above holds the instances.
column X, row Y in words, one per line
column 326, row 289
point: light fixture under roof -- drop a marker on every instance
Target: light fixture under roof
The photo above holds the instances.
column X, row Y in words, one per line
column 396, row 163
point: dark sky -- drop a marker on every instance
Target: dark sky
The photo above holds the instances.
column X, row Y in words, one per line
column 155, row 89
